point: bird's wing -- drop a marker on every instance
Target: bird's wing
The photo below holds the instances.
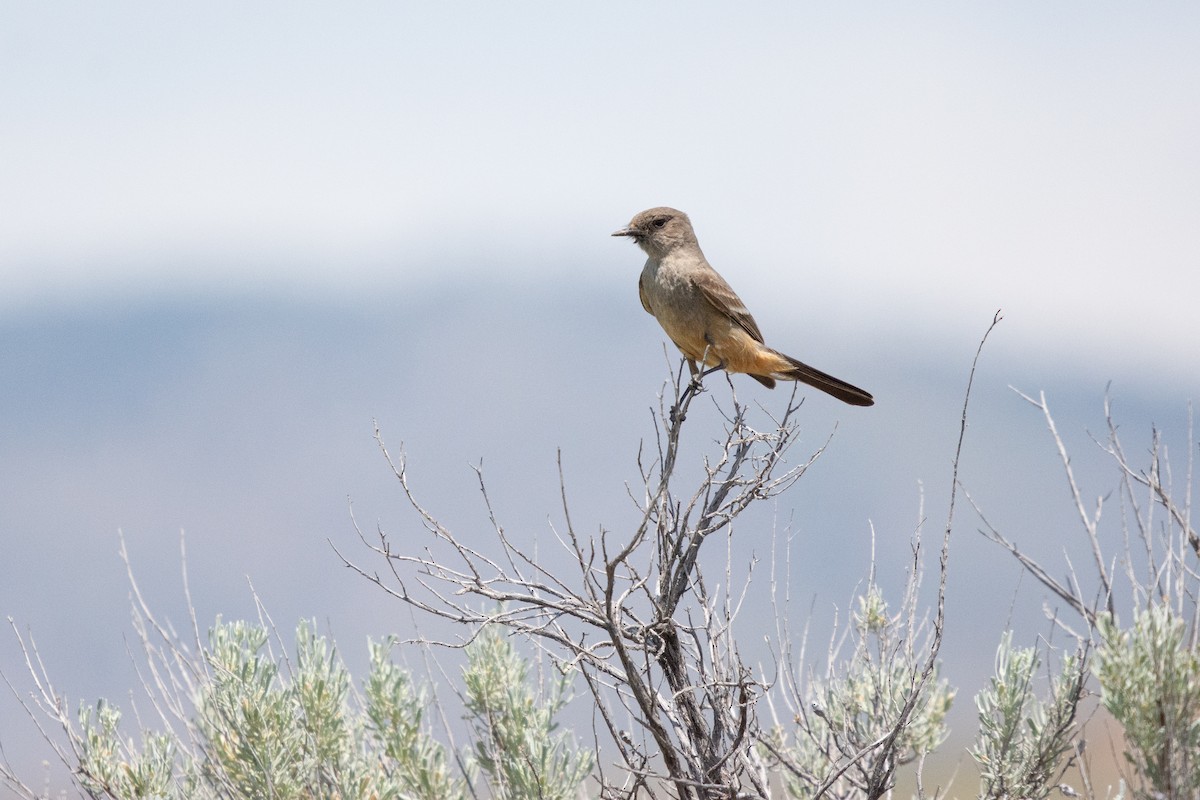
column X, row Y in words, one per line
column 718, row 293
column 642, row 294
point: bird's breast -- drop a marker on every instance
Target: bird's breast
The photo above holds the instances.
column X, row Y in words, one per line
column 678, row 306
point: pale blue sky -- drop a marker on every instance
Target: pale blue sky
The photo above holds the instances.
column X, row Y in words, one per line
column 925, row 162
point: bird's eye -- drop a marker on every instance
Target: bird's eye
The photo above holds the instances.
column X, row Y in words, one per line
column 660, row 222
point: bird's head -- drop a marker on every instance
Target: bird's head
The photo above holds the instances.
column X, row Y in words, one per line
column 660, row 230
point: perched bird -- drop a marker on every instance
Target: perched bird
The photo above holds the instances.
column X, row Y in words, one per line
column 703, row 316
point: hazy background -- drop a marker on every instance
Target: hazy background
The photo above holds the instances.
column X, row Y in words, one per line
column 231, row 237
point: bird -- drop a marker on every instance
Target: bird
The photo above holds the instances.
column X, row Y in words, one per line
column 702, row 314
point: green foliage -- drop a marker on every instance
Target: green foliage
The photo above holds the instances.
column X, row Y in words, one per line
column 1023, row 741
column 858, row 705
column 261, row 733
column 253, row 732
column 515, row 743
column 1150, row 675
column 394, row 721
column 109, row 766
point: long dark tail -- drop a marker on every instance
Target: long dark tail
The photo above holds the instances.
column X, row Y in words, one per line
column 802, row 372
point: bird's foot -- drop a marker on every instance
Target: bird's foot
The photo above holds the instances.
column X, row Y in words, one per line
column 695, row 386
